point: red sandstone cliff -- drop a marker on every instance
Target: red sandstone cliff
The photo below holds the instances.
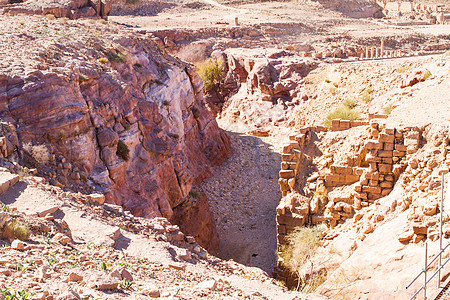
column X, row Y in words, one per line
column 97, row 92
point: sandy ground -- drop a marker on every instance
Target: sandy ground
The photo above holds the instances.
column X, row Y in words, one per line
column 243, row 195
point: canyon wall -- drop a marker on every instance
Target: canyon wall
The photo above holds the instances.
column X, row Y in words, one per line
column 110, row 113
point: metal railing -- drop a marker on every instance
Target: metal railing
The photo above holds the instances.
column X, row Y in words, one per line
column 427, row 264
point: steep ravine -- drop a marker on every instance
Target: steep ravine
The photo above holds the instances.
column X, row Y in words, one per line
column 111, row 114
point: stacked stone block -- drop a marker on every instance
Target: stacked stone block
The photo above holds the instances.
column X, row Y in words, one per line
column 291, row 158
column 339, row 125
column 342, row 175
column 385, row 152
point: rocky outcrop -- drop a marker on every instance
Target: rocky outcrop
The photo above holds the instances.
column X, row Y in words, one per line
column 123, row 120
column 354, row 9
column 262, row 88
column 72, row 9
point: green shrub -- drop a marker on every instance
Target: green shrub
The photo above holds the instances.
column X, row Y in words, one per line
column 103, row 60
column 426, row 75
column 117, row 56
column 343, row 113
column 19, row 230
column 123, row 151
column 403, row 69
column 211, row 71
column 304, row 243
column 332, row 90
column 367, row 95
column 350, row 103
column 9, row 294
column 387, row 110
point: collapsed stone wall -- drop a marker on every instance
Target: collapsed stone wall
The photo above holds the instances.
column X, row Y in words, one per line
column 336, row 191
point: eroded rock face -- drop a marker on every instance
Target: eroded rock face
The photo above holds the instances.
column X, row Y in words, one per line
column 72, row 9
column 261, row 88
column 131, row 125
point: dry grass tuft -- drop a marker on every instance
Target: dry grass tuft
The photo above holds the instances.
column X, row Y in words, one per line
column 211, row 71
column 40, row 153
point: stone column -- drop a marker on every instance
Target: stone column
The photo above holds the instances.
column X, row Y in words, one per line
column 440, row 18
column 362, row 55
column 367, row 52
column 376, row 52
column 372, row 52
column 382, row 48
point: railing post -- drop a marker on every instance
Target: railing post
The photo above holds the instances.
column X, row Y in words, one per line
column 443, row 171
column 425, row 272
column 440, row 228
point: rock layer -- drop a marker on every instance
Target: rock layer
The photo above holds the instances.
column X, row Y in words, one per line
column 124, row 120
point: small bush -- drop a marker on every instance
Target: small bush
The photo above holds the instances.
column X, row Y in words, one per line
column 123, row 151
column 332, row 90
column 350, row 103
column 194, row 194
column 211, row 71
column 367, row 95
column 426, row 75
column 403, row 69
column 103, row 60
column 304, row 243
column 9, row 294
column 40, row 153
column 321, row 192
column 387, row 110
column 117, row 56
column 4, row 207
column 343, row 113
column 19, row 230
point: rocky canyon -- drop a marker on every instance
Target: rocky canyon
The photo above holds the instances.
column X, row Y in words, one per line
column 223, row 150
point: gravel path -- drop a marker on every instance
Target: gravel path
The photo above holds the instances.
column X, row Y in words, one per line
column 243, row 195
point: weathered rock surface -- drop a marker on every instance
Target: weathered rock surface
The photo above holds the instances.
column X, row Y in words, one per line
column 125, row 120
column 72, row 9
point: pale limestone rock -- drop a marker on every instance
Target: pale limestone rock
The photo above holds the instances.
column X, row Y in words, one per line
column 207, row 285
column 18, row 245
column 101, row 281
column 61, row 238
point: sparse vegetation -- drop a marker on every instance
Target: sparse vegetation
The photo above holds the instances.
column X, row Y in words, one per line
column 19, row 230
column 39, row 153
column 4, row 207
column 117, row 56
column 194, row 194
column 211, row 71
column 321, row 193
column 9, row 294
column 126, row 284
column 123, row 151
column 103, row 60
column 332, row 90
column 350, row 103
column 426, row 75
column 367, row 95
column 303, row 245
column 343, row 113
column 403, row 69
column 387, row 109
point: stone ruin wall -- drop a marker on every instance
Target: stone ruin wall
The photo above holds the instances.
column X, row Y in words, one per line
column 383, row 162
